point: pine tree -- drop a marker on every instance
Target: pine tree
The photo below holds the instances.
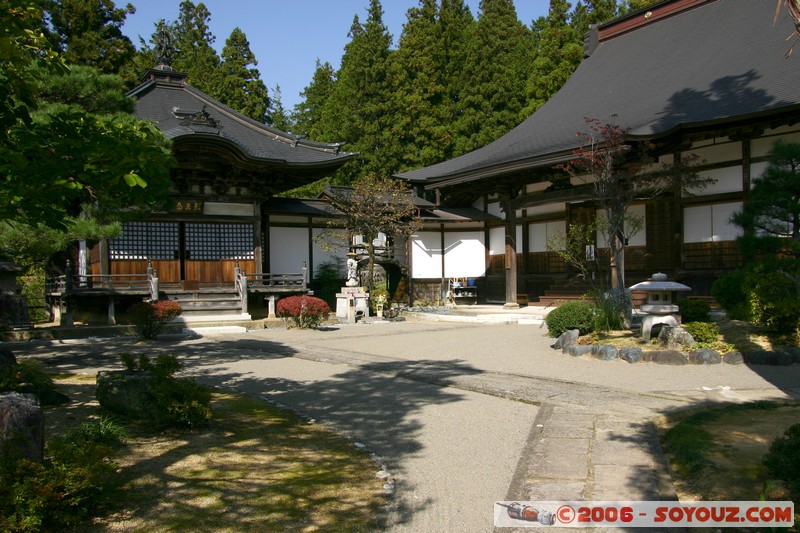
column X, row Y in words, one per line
column 89, row 33
column 498, row 64
column 240, row 85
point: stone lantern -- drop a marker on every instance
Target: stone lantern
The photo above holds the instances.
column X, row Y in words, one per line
column 659, row 306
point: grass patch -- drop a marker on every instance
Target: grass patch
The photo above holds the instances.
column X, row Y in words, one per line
column 716, row 454
column 254, row 468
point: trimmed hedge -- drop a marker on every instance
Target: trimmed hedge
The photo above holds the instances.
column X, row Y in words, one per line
column 578, row 315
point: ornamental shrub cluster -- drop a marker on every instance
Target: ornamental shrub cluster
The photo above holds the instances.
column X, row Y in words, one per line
column 305, row 311
column 578, row 315
column 783, row 459
column 765, row 294
column 149, row 318
column 702, row 332
column 180, row 402
column 66, row 488
column 694, row 310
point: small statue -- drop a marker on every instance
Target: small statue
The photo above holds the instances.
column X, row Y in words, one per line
column 352, row 268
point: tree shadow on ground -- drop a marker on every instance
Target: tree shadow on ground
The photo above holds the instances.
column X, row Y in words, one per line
column 254, row 468
column 380, row 404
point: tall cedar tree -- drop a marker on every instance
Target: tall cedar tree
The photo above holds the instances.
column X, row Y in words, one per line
column 308, row 114
column 358, row 110
column 89, row 32
column 498, row 66
column 278, row 116
column 456, row 23
column 194, row 41
column 419, row 94
column 240, row 85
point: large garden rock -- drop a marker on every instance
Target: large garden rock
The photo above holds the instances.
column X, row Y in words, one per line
column 577, row 350
column 766, row 357
column 631, row 354
column 568, row 338
column 705, row 356
column 21, row 426
column 127, row 393
column 7, row 358
column 606, row 352
column 674, row 338
column 733, row 358
column 665, row 357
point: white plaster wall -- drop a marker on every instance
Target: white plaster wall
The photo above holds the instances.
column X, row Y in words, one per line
column 541, row 232
column 710, row 223
column 288, row 248
column 465, row 254
column 497, row 240
column 637, row 239
column 426, row 255
column 727, row 180
column 323, row 256
column 547, row 209
column 495, row 209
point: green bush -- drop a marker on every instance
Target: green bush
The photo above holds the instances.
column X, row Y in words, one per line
column 179, row 401
column 773, row 301
column 783, row 459
column 64, row 489
column 29, row 376
column 694, row 310
column 702, row 332
column 729, row 291
column 578, row 315
column 149, row 318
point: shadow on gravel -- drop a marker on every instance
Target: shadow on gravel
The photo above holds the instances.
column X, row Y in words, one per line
column 373, row 402
column 100, row 354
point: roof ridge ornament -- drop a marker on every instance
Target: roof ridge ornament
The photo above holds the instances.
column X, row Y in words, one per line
column 164, row 49
column 196, row 118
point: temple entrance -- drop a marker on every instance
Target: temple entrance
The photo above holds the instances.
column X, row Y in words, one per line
column 179, row 251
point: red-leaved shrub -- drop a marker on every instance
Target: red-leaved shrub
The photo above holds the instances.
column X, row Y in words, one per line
column 305, row 311
column 149, row 318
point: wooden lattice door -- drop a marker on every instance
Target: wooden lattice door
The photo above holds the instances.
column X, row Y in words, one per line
column 140, row 242
column 212, row 250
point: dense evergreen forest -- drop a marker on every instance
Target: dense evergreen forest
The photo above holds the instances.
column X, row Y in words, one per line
column 455, row 82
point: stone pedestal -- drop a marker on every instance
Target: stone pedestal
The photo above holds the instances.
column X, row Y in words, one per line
column 351, row 305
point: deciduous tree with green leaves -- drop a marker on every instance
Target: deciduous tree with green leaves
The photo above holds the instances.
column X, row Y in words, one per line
column 373, row 205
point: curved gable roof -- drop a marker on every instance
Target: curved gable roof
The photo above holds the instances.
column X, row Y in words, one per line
column 722, row 61
column 184, row 113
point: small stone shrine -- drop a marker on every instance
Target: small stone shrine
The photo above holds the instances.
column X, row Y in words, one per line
column 351, row 302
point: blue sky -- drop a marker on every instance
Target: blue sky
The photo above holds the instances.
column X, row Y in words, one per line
column 287, row 36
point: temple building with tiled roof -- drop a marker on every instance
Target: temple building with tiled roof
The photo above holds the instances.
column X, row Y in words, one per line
column 713, row 78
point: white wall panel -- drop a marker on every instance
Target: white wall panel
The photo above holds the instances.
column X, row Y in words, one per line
column 497, row 240
column 541, row 232
column 637, row 239
column 426, row 255
column 332, row 255
column 495, row 209
column 465, row 254
column 710, row 223
column 288, row 248
column 727, row 180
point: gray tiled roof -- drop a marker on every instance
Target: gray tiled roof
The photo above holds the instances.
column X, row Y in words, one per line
column 718, row 63
column 168, row 104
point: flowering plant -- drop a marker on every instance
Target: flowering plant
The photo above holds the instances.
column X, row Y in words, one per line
column 149, row 318
column 304, row 311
